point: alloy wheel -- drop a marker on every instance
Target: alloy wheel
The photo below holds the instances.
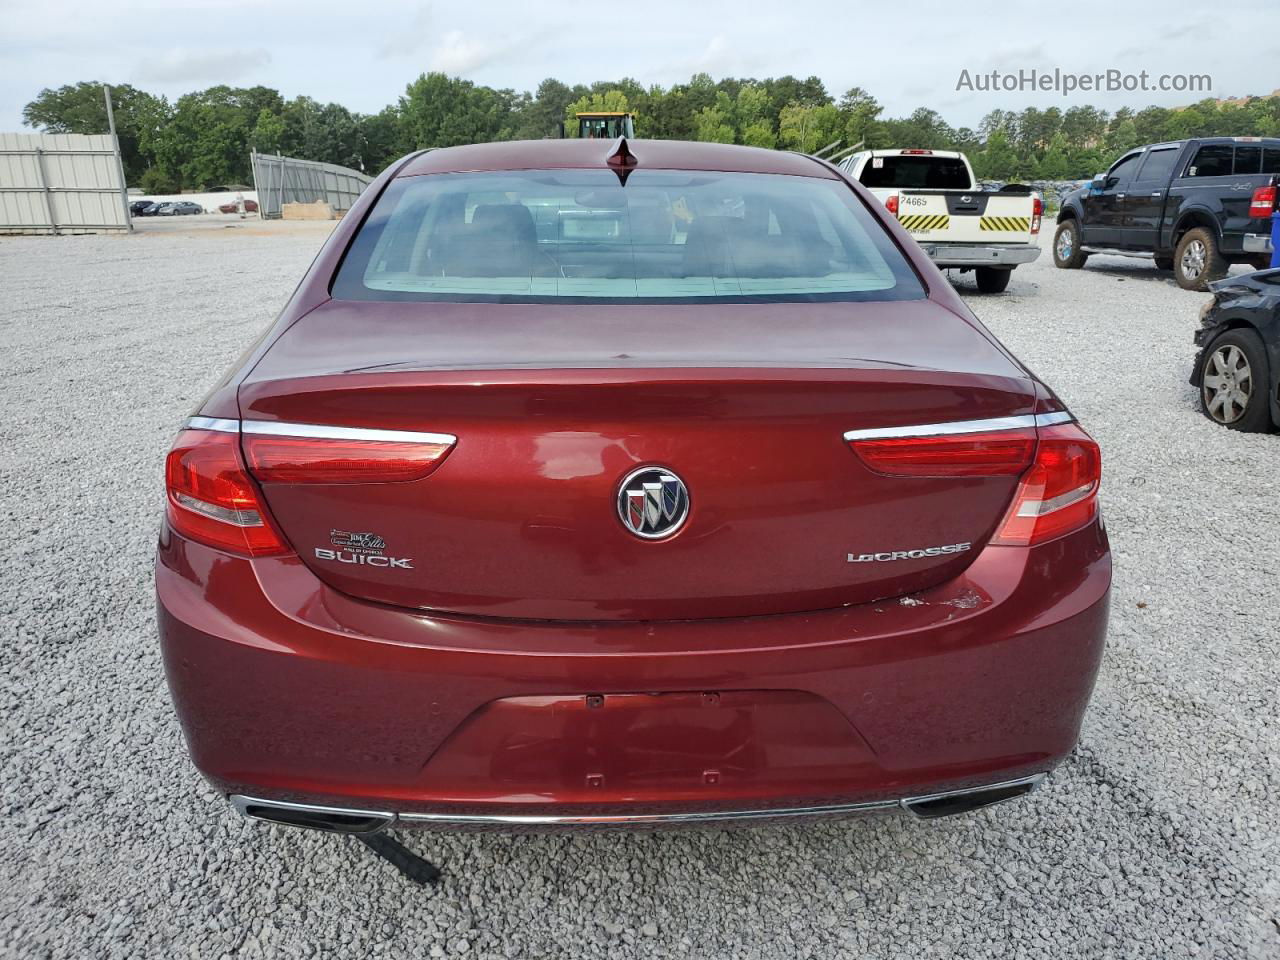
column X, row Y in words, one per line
column 1193, row 259
column 1227, row 384
column 1064, row 245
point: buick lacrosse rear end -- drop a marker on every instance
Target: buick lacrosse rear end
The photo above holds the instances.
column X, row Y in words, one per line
column 627, row 484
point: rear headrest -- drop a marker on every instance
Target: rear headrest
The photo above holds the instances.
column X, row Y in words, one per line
column 512, row 219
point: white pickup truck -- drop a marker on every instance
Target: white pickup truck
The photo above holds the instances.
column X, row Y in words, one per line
column 960, row 226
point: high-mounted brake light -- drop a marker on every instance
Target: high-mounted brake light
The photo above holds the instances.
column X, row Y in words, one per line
column 997, row 453
column 1263, row 203
column 1037, row 214
column 283, row 459
column 212, row 500
column 1059, row 493
column 891, row 204
column 915, row 152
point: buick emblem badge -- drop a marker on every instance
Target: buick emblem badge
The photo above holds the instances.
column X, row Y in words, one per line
column 653, row 502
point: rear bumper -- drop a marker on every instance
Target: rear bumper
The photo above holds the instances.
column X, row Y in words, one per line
column 1257, row 243
column 978, row 255
column 291, row 692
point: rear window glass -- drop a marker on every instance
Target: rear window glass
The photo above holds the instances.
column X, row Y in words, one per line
column 1211, row 161
column 1271, row 160
column 916, row 172
column 581, row 236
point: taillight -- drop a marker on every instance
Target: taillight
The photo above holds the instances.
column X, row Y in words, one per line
column 280, row 459
column 1264, row 201
column 212, row 500
column 1059, row 493
column 891, row 204
column 1037, row 214
column 999, row 453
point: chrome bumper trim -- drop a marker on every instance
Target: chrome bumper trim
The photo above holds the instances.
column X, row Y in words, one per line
column 1257, row 243
column 241, row 803
column 976, row 255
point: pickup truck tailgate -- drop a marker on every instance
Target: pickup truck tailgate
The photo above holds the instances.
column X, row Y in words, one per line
column 950, row 217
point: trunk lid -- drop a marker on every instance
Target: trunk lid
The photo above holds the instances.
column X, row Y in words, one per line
column 746, row 404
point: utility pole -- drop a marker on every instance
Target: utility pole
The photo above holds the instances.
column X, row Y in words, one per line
column 111, row 126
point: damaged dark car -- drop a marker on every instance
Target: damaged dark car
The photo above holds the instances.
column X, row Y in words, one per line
column 1238, row 364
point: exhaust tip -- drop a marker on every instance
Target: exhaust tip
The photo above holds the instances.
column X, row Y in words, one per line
column 955, row 802
column 310, row 817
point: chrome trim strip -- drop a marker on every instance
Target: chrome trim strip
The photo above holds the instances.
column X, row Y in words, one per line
column 633, row 819
column 1049, row 419
column 958, row 427
column 1036, row 781
column 212, row 423
column 623, row 819
column 318, row 431
column 241, row 803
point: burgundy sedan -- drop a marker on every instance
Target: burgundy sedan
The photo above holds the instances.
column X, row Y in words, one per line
column 638, row 483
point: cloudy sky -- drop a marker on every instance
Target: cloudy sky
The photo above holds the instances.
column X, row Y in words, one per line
column 363, row 54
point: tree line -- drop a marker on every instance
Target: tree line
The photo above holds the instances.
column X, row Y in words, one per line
column 203, row 138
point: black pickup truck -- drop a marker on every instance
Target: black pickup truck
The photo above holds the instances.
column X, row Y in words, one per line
column 1196, row 206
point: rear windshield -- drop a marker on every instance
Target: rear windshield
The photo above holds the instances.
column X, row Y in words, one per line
column 581, row 236
column 916, row 172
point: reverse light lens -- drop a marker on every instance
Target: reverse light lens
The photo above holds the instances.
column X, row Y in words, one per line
column 1059, row 493
column 212, row 500
column 274, row 459
column 1264, row 201
column 996, row 454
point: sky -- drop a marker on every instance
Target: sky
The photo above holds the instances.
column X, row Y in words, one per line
column 906, row 55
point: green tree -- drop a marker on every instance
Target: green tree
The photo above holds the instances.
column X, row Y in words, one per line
column 381, row 139
column 862, row 124
column 924, row 128
column 441, row 111
column 268, row 132
column 1084, row 126
column 806, row 128
column 81, row 108
column 542, row 116
column 1055, row 164
column 998, row 160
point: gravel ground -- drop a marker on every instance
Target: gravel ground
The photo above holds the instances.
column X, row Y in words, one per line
column 1157, row 839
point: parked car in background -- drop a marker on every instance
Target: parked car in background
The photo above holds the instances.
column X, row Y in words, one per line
column 137, row 206
column 250, row 206
column 179, row 208
column 1238, row 366
column 934, row 195
column 1195, row 206
column 147, row 208
column 790, row 533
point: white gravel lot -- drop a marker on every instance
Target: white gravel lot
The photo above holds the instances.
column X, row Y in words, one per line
column 1157, row 839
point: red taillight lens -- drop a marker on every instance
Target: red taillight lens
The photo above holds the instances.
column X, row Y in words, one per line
column 211, row 498
column 275, row 459
column 997, row 454
column 891, row 204
column 1037, row 214
column 1060, row 491
column 1264, row 201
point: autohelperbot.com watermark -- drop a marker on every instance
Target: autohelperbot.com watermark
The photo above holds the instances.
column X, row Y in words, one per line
column 1033, row 80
